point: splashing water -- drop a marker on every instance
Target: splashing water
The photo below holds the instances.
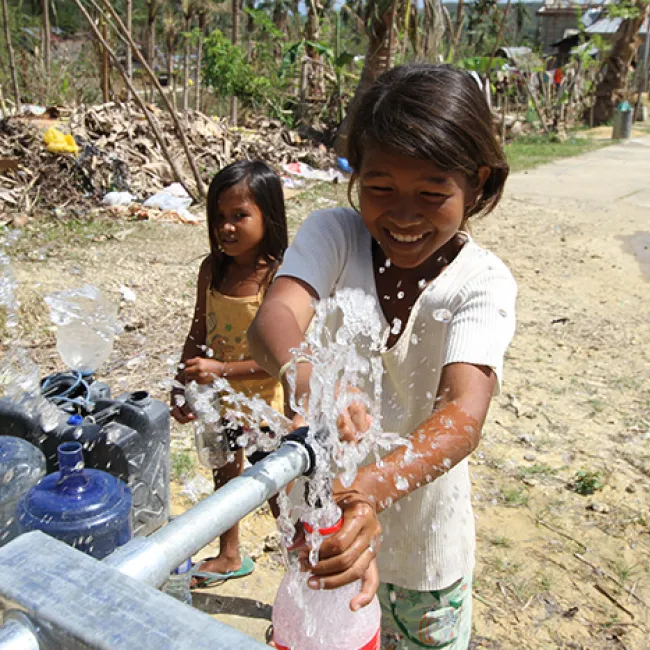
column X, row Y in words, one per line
column 19, row 375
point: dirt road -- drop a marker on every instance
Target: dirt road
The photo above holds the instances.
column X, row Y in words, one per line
column 557, row 568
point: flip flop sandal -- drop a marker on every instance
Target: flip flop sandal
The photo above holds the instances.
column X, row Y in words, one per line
column 209, row 578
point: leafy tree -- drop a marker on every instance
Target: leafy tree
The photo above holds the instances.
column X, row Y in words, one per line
column 617, row 64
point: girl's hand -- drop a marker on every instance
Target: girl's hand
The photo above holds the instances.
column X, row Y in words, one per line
column 180, row 410
column 354, row 421
column 203, row 371
column 349, row 555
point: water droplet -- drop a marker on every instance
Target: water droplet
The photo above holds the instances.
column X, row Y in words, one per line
column 401, row 483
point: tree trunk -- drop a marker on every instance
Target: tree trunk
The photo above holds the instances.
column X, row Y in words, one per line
column 315, row 83
column 203, row 19
column 129, row 53
column 10, row 52
column 186, row 61
column 433, row 28
column 106, row 70
column 459, row 27
column 382, row 46
column 235, row 41
column 171, row 50
column 152, row 13
column 279, row 16
column 407, row 25
column 250, row 28
column 617, row 64
column 47, row 41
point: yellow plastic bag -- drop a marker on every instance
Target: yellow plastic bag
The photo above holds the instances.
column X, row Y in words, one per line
column 58, row 142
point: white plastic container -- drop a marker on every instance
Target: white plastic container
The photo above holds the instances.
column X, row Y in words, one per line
column 308, row 619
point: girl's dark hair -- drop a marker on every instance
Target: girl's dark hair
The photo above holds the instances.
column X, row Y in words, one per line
column 266, row 189
column 436, row 113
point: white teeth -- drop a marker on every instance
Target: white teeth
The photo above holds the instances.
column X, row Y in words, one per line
column 406, row 238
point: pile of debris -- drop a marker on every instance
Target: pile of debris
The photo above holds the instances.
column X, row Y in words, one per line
column 118, row 152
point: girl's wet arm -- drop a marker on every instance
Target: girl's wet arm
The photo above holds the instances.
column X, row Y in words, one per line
column 439, row 443
column 196, row 337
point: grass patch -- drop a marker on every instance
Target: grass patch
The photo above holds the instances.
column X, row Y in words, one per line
column 515, row 496
column 500, row 541
column 182, row 465
column 44, row 234
column 529, row 151
column 541, row 470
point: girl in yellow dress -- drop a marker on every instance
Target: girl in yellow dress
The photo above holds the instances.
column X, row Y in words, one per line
column 247, row 227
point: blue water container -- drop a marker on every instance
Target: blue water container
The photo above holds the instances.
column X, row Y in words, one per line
column 21, row 466
column 85, row 508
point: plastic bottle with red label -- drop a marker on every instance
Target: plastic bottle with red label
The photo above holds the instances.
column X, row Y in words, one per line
column 314, row 619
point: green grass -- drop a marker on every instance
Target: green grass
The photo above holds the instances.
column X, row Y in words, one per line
column 44, row 233
column 515, row 496
column 500, row 541
column 529, row 151
column 541, row 470
column 182, row 465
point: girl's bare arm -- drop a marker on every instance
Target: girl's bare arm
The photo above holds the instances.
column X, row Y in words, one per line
column 196, row 337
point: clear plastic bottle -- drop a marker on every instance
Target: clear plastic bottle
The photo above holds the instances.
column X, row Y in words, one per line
column 86, row 324
column 309, row 619
column 178, row 585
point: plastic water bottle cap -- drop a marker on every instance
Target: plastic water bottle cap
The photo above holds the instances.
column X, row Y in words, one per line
column 329, row 530
column 75, row 419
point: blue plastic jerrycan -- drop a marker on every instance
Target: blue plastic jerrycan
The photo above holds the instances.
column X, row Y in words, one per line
column 21, row 466
column 86, row 508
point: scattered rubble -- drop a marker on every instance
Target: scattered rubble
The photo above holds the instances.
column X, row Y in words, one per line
column 118, row 153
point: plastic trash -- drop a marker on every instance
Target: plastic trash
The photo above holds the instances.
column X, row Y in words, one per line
column 172, row 198
column 306, row 171
column 176, row 189
column 86, row 326
column 308, row 619
column 118, row 198
column 58, row 142
column 86, row 508
column 344, row 165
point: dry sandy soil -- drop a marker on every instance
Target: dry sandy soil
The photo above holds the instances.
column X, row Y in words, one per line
column 556, row 568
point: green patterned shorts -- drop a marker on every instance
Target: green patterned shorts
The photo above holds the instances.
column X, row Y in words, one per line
column 426, row 619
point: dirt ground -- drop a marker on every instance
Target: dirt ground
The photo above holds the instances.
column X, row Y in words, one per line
column 556, row 568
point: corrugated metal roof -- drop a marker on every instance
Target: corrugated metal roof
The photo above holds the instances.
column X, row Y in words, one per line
column 609, row 26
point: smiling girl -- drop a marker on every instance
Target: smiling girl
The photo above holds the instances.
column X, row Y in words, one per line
column 426, row 161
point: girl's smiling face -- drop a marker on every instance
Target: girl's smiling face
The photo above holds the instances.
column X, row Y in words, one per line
column 411, row 207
